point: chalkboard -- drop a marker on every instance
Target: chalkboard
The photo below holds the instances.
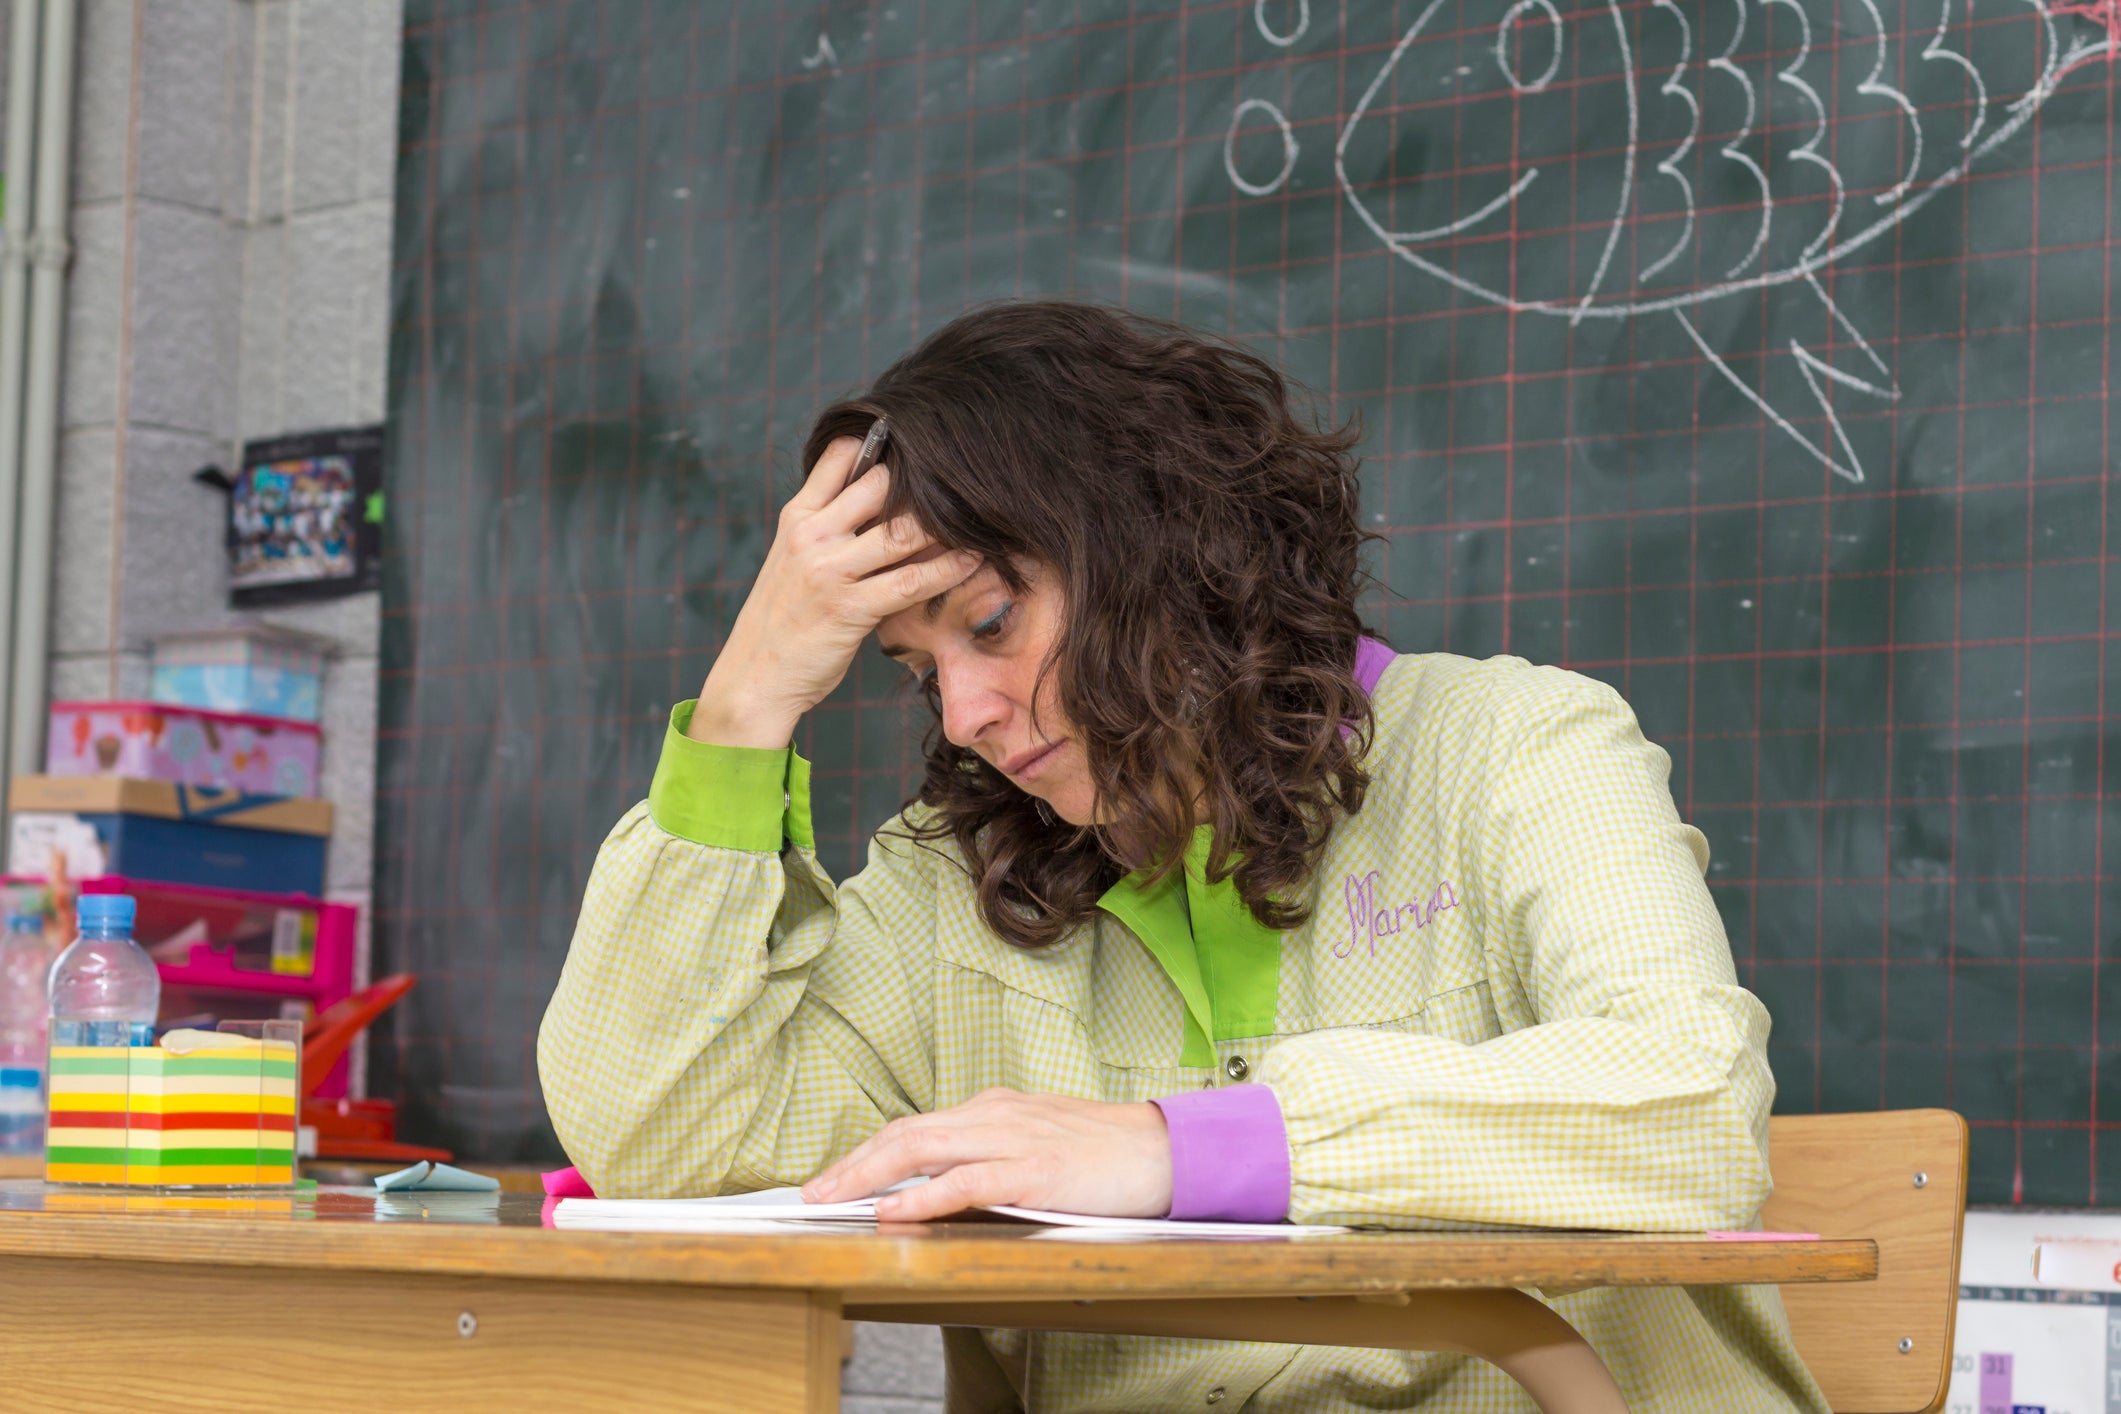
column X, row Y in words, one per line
column 1755, row 357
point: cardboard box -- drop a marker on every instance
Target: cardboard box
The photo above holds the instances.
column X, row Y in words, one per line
column 163, row 831
column 166, row 800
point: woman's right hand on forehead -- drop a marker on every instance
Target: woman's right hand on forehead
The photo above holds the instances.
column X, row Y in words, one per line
column 832, row 575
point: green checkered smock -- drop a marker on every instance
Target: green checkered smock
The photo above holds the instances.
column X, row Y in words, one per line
column 1513, row 1004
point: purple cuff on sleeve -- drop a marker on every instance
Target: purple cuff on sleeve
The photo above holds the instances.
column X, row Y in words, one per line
column 1229, row 1155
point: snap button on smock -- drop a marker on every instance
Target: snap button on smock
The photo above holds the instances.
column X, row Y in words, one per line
column 1236, row 1068
column 1215, row 1396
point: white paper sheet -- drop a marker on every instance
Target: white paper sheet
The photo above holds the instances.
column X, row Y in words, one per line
column 785, row 1207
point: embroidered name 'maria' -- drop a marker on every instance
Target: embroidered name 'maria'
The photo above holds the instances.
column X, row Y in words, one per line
column 1370, row 919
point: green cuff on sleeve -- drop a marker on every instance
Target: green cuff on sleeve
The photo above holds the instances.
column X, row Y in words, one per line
column 729, row 797
column 797, row 826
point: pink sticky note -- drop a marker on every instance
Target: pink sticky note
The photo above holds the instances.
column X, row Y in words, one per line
column 568, row 1183
column 1762, row 1236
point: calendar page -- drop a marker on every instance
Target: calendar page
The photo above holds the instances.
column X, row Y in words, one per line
column 2039, row 1328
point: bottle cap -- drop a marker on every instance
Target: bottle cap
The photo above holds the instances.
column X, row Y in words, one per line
column 106, row 910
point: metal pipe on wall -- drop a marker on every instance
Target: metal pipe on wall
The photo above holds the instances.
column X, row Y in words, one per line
column 50, row 250
column 20, row 175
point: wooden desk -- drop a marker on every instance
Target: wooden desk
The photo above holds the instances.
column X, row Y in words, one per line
column 127, row 1302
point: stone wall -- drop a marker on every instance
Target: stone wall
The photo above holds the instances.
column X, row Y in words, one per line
column 233, row 168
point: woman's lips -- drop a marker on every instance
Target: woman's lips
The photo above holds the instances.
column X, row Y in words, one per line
column 1027, row 764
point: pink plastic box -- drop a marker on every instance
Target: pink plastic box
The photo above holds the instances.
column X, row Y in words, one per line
column 187, row 745
column 226, row 943
column 239, row 954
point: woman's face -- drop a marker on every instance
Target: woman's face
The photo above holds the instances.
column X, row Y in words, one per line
column 985, row 643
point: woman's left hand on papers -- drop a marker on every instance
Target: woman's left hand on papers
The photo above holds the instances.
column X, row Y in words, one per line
column 1006, row 1147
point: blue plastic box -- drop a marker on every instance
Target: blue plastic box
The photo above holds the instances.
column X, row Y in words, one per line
column 256, row 669
column 217, row 856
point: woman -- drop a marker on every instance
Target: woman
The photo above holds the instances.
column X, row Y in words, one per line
column 1210, row 906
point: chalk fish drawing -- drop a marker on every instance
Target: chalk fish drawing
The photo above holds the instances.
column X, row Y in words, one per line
column 1740, row 159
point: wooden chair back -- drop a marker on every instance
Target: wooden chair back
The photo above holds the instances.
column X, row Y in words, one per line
column 1899, row 1178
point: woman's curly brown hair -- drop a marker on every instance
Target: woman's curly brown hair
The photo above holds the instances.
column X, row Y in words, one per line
column 1205, row 539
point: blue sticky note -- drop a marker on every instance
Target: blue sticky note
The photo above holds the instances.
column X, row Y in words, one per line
column 424, row 1177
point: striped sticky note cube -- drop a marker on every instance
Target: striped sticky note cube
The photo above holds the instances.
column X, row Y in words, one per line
column 143, row 1116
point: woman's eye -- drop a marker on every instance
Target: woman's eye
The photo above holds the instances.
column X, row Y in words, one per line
column 994, row 622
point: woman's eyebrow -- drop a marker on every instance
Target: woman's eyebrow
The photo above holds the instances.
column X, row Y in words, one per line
column 933, row 609
column 930, row 611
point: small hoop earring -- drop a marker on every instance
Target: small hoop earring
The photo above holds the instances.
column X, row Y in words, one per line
column 1045, row 811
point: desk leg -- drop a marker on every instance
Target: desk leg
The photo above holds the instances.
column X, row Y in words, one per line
column 78, row 1336
column 1530, row 1343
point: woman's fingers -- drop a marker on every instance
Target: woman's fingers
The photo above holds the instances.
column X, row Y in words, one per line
column 921, row 1145
column 1040, row 1151
column 915, row 582
column 899, row 538
column 853, row 508
column 973, row 1185
column 828, row 476
column 839, row 507
column 828, row 579
column 888, row 565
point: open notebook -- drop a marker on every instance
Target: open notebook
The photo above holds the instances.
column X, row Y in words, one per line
column 785, row 1208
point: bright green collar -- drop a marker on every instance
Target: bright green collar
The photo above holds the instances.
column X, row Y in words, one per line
column 1225, row 965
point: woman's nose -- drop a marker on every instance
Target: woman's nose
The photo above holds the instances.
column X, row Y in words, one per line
column 971, row 705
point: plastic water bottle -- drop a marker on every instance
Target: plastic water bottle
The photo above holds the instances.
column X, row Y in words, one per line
column 24, row 961
column 104, row 987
